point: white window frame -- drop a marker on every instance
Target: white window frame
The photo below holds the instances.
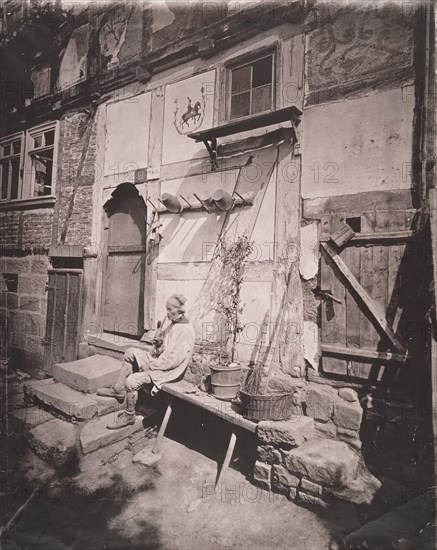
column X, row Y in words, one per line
column 242, row 61
column 29, row 173
column 4, row 141
column 26, row 174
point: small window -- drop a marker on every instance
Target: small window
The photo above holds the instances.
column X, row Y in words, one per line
column 251, row 87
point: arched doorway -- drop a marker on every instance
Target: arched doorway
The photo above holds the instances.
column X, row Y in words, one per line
column 125, row 261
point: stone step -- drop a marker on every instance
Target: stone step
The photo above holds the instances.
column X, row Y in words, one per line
column 95, row 434
column 89, row 374
column 327, row 462
column 293, row 432
column 69, row 403
column 28, row 417
column 55, row 442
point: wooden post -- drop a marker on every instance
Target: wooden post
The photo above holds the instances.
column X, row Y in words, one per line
column 153, row 192
column 157, row 446
column 433, row 225
column 289, row 350
column 227, row 460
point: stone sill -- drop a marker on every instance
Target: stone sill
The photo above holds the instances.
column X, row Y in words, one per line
column 28, row 204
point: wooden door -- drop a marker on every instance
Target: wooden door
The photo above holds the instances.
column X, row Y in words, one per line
column 124, row 270
column 63, row 316
column 368, row 289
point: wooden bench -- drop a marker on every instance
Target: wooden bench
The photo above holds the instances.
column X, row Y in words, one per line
column 223, row 409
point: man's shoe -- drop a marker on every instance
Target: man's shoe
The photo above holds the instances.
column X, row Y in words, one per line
column 111, row 392
column 121, row 421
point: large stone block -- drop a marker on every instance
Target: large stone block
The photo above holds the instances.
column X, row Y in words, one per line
column 15, row 265
column 54, row 442
column 293, row 432
column 348, row 415
column 69, row 402
column 88, row 374
column 320, row 402
column 262, row 475
column 268, row 454
column 324, row 461
column 29, row 417
column 95, row 434
column 282, row 480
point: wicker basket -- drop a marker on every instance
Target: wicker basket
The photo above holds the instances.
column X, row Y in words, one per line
column 266, row 407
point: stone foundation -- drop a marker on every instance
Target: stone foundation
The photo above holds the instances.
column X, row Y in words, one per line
column 314, row 458
column 337, row 413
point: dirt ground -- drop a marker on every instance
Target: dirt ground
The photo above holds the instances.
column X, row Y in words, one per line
column 110, row 503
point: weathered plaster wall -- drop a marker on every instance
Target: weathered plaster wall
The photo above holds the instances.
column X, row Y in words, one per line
column 127, row 137
column 360, row 144
column 73, row 66
column 358, row 47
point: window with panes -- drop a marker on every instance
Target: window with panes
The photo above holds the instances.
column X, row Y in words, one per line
column 40, row 148
column 11, row 166
column 27, row 163
column 251, row 86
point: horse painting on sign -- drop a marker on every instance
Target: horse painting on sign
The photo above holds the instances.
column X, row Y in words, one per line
column 191, row 112
column 192, row 118
column 189, row 107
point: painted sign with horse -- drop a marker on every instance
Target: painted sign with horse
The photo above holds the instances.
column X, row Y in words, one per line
column 189, row 107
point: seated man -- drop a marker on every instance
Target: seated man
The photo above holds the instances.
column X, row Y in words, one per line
column 175, row 353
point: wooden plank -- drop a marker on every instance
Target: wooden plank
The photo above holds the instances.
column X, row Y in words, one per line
column 74, row 300
column 223, row 409
column 195, row 271
column 227, row 460
column 59, row 317
column 358, row 202
column 390, row 236
column 352, row 282
column 395, row 255
column 380, row 277
column 156, row 128
column 333, row 313
column 126, row 248
column 361, row 353
column 257, row 121
column 352, row 260
column 196, row 167
column 291, row 67
column 369, row 336
column 287, row 300
column 48, row 339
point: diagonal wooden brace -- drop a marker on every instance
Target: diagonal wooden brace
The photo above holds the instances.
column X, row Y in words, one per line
column 358, row 290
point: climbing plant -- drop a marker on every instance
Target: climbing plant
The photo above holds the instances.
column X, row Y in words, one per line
column 233, row 255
